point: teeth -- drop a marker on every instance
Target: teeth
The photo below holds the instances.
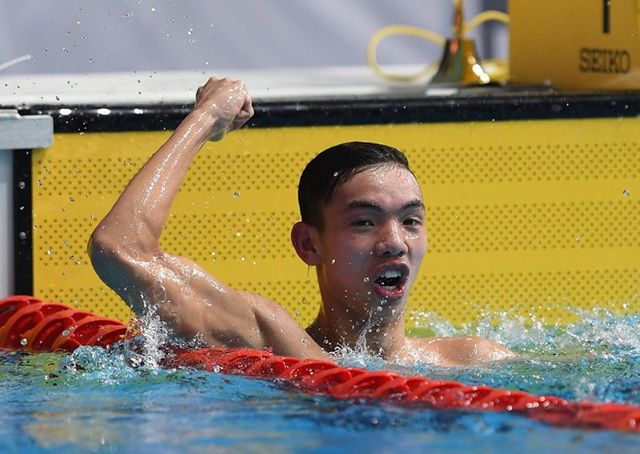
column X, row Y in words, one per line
column 391, row 274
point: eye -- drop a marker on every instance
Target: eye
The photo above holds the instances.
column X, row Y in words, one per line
column 412, row 222
column 362, row 223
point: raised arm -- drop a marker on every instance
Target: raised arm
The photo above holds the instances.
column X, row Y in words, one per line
column 126, row 254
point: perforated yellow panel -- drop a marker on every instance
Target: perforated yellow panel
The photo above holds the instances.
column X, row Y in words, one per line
column 527, row 217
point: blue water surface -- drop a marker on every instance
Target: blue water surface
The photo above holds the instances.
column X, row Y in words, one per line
column 95, row 401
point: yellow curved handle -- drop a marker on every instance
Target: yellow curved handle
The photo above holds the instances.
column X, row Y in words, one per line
column 399, row 30
column 484, row 17
column 428, row 35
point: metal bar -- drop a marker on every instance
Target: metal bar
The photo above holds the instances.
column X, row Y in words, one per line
column 24, row 131
column 22, row 223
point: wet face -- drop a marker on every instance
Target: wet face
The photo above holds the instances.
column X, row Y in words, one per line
column 372, row 243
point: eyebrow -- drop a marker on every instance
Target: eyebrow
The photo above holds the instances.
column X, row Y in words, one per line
column 367, row 205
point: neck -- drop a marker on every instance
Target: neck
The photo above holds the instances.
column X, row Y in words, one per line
column 336, row 327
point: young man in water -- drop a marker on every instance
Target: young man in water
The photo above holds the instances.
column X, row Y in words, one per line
column 362, row 228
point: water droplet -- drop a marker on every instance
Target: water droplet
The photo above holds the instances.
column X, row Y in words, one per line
column 626, row 193
column 50, row 252
column 333, row 261
column 71, row 199
column 236, row 194
column 22, row 235
column 366, row 279
column 335, row 174
column 22, row 184
column 24, row 341
column 153, row 10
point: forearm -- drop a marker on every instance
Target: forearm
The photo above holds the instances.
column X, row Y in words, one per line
column 124, row 248
column 138, row 216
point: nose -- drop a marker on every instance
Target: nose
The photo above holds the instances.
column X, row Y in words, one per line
column 392, row 241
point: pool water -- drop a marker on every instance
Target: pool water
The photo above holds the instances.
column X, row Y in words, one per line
column 96, row 400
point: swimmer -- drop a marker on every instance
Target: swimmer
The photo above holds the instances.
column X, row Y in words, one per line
column 362, row 227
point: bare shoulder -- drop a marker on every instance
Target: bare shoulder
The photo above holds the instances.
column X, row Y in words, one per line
column 459, row 351
column 279, row 330
column 265, row 311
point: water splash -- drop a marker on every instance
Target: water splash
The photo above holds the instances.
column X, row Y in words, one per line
column 127, row 360
column 14, row 61
column 596, row 331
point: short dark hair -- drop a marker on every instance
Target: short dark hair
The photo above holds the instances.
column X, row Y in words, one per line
column 336, row 165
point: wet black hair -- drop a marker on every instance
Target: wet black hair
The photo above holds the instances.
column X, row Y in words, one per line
column 334, row 166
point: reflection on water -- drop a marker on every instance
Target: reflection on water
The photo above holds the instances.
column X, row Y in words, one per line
column 97, row 400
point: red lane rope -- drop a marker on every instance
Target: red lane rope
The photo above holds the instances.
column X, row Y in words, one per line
column 27, row 323
column 30, row 324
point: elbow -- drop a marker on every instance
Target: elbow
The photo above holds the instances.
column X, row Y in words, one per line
column 106, row 252
column 101, row 244
column 118, row 265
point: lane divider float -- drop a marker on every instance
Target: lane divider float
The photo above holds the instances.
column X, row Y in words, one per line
column 27, row 323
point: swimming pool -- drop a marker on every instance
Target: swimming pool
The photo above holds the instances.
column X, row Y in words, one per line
column 93, row 400
column 532, row 199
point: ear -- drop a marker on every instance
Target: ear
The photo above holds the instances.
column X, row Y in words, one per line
column 304, row 238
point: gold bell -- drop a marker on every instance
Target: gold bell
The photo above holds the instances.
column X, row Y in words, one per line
column 460, row 64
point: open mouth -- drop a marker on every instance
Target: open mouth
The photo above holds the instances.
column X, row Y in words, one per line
column 391, row 281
